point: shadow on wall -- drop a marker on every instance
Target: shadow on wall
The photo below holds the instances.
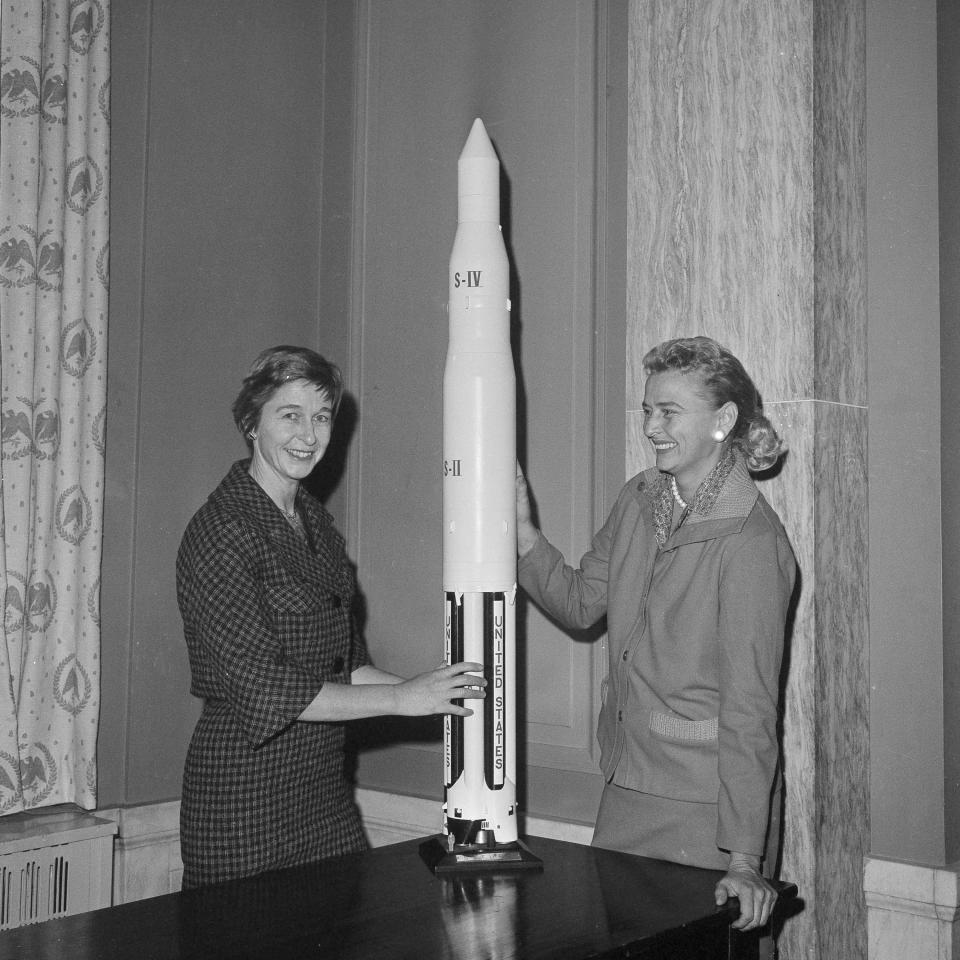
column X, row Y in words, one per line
column 328, row 474
column 375, row 732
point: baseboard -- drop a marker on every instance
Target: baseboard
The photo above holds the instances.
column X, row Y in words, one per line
column 147, row 850
column 912, row 910
column 391, row 817
column 146, row 856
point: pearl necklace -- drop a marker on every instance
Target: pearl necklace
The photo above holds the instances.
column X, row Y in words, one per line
column 296, row 523
column 676, row 493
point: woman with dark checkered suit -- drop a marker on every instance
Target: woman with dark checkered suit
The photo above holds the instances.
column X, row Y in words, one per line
column 266, row 593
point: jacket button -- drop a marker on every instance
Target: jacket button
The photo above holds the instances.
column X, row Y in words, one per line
column 335, row 602
column 624, row 654
column 338, row 665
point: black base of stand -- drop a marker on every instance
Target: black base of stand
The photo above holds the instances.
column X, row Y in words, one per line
column 472, row 858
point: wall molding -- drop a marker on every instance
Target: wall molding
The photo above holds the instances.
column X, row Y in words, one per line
column 391, row 817
column 912, row 910
column 146, row 855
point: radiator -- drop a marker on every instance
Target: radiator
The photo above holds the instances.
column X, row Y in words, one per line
column 54, row 862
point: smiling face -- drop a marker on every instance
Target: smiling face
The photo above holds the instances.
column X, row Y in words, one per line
column 291, row 436
column 680, row 423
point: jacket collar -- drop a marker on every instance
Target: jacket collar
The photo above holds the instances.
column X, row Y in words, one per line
column 721, row 505
column 240, row 494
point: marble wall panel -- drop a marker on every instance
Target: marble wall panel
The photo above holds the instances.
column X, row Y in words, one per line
column 745, row 222
column 720, row 198
column 840, row 327
column 790, row 493
column 841, row 701
column 820, row 494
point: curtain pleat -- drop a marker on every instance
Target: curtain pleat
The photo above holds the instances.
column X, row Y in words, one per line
column 54, row 262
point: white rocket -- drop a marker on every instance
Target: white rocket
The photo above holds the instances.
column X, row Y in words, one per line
column 479, row 511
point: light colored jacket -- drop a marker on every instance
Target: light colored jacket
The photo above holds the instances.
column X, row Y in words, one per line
column 696, row 634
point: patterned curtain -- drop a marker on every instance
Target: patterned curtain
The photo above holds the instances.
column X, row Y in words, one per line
column 54, row 154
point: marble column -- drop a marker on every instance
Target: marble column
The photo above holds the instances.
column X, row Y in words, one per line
column 746, row 223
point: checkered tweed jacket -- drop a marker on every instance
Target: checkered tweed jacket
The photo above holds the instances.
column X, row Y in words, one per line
column 268, row 621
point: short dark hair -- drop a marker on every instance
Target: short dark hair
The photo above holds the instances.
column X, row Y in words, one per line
column 724, row 379
column 275, row 367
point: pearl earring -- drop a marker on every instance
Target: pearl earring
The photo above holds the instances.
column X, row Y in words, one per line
column 719, row 435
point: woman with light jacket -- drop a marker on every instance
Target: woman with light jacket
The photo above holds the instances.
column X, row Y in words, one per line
column 694, row 574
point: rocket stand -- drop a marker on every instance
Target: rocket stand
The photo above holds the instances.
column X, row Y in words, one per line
column 443, row 856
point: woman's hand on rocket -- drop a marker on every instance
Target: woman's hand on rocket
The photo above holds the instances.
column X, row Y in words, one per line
column 527, row 533
column 436, row 690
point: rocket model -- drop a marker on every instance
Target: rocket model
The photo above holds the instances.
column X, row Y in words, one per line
column 480, row 525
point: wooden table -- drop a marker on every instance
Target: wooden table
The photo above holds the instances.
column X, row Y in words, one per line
column 387, row 905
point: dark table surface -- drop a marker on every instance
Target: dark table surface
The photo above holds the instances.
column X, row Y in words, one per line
column 387, row 904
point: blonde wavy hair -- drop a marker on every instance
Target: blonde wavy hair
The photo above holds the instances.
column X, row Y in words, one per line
column 723, row 379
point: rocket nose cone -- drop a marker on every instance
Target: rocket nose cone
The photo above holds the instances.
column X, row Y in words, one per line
column 478, row 179
column 478, row 145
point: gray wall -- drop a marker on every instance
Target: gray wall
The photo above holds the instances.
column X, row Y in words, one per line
column 280, row 170
column 948, row 65
column 232, row 126
column 534, row 81
column 904, row 328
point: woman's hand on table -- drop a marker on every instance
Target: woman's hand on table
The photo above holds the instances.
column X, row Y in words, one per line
column 744, row 881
